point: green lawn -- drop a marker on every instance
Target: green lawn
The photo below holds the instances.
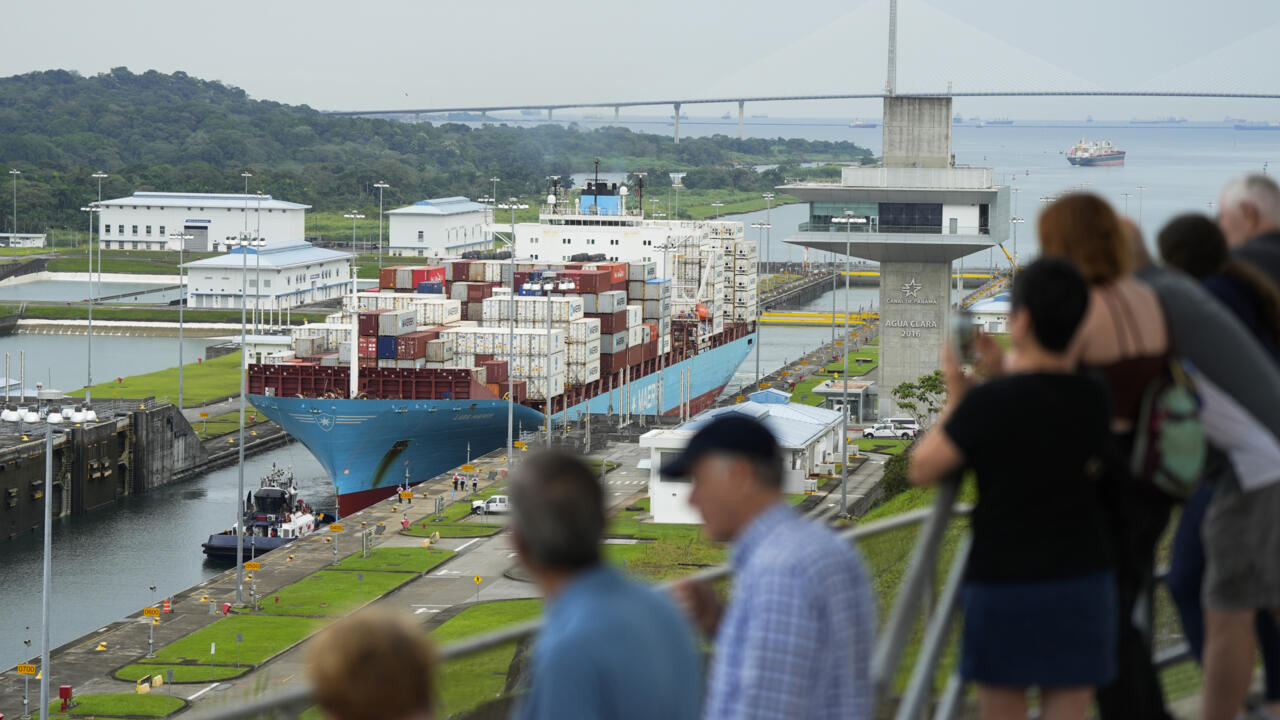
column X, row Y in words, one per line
column 426, row 528
column 263, row 637
column 119, row 705
column 470, row 680
column 414, row 560
column 202, row 382
column 227, row 422
column 803, row 392
column 885, row 446
column 333, row 592
column 673, row 550
column 38, row 311
column 794, row 499
column 181, row 673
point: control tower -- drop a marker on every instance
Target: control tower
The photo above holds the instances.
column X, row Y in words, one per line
column 915, row 215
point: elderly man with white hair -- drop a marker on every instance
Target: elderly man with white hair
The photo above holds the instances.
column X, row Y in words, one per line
column 1249, row 215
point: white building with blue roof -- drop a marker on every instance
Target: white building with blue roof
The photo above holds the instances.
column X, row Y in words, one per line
column 992, row 314
column 145, row 220
column 441, row 227
column 808, row 436
column 276, row 277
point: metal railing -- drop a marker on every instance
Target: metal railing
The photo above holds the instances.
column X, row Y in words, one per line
column 910, row 605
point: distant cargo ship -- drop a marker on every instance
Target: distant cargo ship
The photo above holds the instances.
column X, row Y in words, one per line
column 1090, row 154
column 1257, row 126
column 1171, row 120
column 1000, row 121
column 863, row 124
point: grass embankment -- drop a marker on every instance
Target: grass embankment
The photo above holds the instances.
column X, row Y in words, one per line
column 769, row 282
column 80, row 311
column 884, row 446
column 133, row 262
column 803, row 392
column 452, row 526
column 468, row 681
column 667, row 551
column 121, row 705
column 202, row 382
column 303, row 608
column 226, row 423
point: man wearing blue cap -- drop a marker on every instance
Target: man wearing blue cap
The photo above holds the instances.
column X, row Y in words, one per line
column 795, row 640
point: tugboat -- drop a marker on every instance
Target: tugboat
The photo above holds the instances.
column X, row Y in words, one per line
column 274, row 516
column 1092, row 154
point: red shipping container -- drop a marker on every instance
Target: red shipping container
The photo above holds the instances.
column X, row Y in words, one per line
column 368, row 324
column 612, row 362
column 494, row 370
column 617, row 271
column 432, row 273
column 413, row 345
column 458, row 270
column 520, row 389
column 635, row 355
column 595, row 281
column 368, row 347
column 477, row 292
column 611, row 322
column 387, row 277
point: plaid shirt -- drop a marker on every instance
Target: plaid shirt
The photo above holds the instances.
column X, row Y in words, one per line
column 796, row 639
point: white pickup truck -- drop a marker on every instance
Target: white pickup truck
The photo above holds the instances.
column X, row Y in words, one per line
column 887, row 430
column 497, row 504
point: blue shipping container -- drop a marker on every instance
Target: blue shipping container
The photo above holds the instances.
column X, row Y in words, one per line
column 386, row 347
column 432, row 288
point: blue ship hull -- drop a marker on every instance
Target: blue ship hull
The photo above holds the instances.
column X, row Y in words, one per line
column 367, row 445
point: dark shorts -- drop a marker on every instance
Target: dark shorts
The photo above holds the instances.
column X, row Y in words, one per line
column 1241, row 533
column 1046, row 633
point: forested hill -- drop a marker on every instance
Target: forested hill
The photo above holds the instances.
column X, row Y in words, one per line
column 176, row 132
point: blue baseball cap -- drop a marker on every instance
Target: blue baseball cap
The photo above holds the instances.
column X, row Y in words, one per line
column 732, row 433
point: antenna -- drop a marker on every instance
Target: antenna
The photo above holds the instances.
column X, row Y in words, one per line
column 595, row 193
column 891, row 84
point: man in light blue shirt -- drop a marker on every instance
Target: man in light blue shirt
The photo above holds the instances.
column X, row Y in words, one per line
column 610, row 647
column 795, row 640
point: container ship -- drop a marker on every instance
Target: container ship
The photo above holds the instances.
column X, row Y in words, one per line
column 418, row 375
column 1090, row 154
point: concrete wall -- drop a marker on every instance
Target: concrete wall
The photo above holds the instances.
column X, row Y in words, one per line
column 95, row 474
column 164, row 444
column 914, row 323
column 917, row 132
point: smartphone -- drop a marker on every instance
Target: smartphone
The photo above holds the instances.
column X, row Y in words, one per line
column 963, row 335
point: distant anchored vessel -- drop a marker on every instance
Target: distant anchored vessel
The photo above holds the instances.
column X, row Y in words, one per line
column 1244, row 125
column 863, row 124
column 1090, row 154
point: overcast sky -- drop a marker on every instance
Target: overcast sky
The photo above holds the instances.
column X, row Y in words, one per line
column 432, row 53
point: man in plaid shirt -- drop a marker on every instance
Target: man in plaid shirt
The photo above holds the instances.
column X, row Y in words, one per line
column 795, row 641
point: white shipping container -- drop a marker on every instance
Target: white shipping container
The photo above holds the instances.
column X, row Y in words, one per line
column 664, row 346
column 584, row 351
column 743, row 282
column 717, row 324
column 583, row 373
column 642, row 271
column 657, row 289
column 635, row 335
column 344, row 353
column 616, row 342
column 384, row 363
column 411, row 364
column 635, row 289
column 584, row 329
column 664, row 326
column 538, row 386
column 397, row 322
column 635, row 315
column 611, row 301
column 742, row 266
column 654, row 309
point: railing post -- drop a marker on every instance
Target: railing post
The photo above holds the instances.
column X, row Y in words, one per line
column 915, row 699
column 924, row 557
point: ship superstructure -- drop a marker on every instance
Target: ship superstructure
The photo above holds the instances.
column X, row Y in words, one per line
column 656, row 320
column 1090, row 154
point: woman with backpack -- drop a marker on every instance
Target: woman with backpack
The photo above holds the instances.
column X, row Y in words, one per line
column 1124, row 338
column 1039, row 593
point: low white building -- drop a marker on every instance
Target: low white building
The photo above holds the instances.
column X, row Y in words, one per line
column 992, row 315
column 441, row 227
column 22, row 240
column 144, row 220
column 808, row 436
column 291, row 274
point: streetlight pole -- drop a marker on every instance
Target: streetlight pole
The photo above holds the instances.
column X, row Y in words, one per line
column 257, row 266
column 246, row 175
column 759, row 308
column 182, row 239
column 1140, row 189
column 244, row 241
column 848, row 220
column 1126, row 197
column 1015, row 221
column 513, row 204
column 90, row 209
column 46, row 581
column 717, row 206
column 381, row 186
column 99, row 176
column 13, row 240
column 768, row 224
column 353, row 216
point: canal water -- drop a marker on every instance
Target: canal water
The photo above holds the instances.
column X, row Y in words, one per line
column 72, row 291
column 58, row 361
column 104, row 562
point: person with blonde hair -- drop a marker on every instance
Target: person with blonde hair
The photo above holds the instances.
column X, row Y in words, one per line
column 374, row 665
